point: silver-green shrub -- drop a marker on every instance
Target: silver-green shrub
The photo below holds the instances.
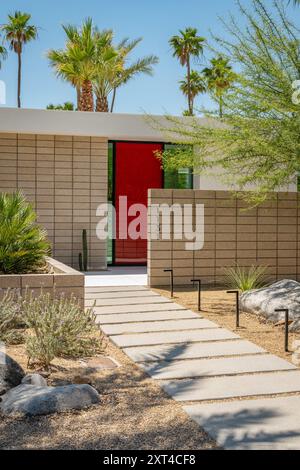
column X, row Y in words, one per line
column 59, row 327
column 10, row 318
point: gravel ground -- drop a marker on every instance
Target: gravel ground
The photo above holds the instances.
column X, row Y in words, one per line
column 218, row 306
column 134, row 414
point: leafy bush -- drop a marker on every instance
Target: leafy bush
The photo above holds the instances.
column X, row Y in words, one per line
column 245, row 279
column 23, row 244
column 10, row 318
column 59, row 327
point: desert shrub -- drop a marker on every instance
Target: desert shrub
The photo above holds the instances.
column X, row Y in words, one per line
column 58, row 327
column 23, row 243
column 245, row 279
column 10, row 318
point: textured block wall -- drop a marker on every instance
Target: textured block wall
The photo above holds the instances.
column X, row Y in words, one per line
column 65, row 178
column 268, row 235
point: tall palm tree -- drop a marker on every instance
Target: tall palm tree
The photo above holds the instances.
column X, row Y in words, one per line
column 219, row 77
column 196, row 86
column 185, row 46
column 118, row 72
column 19, row 32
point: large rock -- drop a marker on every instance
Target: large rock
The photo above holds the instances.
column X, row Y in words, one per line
column 34, row 379
column 281, row 295
column 29, row 400
column 11, row 373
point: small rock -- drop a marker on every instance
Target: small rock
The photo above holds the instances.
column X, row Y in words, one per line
column 11, row 373
column 28, row 400
column 34, row 379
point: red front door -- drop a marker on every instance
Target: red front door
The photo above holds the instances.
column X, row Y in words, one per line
column 137, row 169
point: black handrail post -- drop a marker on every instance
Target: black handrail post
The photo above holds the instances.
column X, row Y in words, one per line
column 171, row 271
column 286, row 332
column 237, row 293
column 199, row 282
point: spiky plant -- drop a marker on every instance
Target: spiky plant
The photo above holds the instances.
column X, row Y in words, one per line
column 245, row 279
column 23, row 243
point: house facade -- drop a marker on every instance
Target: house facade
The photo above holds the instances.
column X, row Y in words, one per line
column 70, row 163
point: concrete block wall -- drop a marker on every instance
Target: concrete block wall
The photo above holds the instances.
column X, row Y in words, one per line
column 268, row 235
column 65, row 177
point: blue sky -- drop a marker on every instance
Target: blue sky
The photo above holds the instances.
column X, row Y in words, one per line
column 154, row 20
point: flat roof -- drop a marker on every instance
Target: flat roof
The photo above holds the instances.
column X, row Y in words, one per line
column 113, row 126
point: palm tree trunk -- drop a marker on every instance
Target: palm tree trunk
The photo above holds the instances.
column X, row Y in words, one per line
column 86, row 97
column 102, row 104
column 113, row 100
column 78, row 92
column 19, row 78
column 189, row 85
column 221, row 106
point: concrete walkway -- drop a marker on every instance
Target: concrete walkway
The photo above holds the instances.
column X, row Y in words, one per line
column 231, row 387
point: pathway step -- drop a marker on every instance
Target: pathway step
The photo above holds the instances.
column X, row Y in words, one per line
column 233, row 387
column 192, row 351
column 144, row 327
column 120, row 295
column 166, row 307
column 215, row 367
column 142, row 339
column 145, row 317
column 153, row 299
column 265, row 424
column 116, row 289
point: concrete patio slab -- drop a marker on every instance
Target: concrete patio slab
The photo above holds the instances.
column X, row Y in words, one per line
column 143, row 339
column 192, row 351
column 166, row 307
column 151, row 299
column 233, row 387
column 265, row 424
column 118, row 276
column 120, row 295
column 215, row 367
column 144, row 327
column 145, row 317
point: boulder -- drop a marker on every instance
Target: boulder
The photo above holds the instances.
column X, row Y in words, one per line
column 29, row 400
column 281, row 295
column 34, row 379
column 11, row 373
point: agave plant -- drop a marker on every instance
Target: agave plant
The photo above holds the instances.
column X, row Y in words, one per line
column 23, row 243
column 245, row 279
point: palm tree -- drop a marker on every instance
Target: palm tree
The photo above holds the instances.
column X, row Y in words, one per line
column 196, row 86
column 3, row 54
column 185, row 46
column 77, row 63
column 19, row 32
column 118, row 72
column 219, row 77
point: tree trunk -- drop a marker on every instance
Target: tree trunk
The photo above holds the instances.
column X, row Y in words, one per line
column 221, row 106
column 102, row 104
column 190, row 106
column 86, row 97
column 19, row 78
column 113, row 100
column 78, row 92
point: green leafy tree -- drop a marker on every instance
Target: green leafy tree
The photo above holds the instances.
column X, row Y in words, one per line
column 67, row 106
column 187, row 45
column 18, row 32
column 220, row 78
column 195, row 87
column 256, row 145
column 23, row 243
